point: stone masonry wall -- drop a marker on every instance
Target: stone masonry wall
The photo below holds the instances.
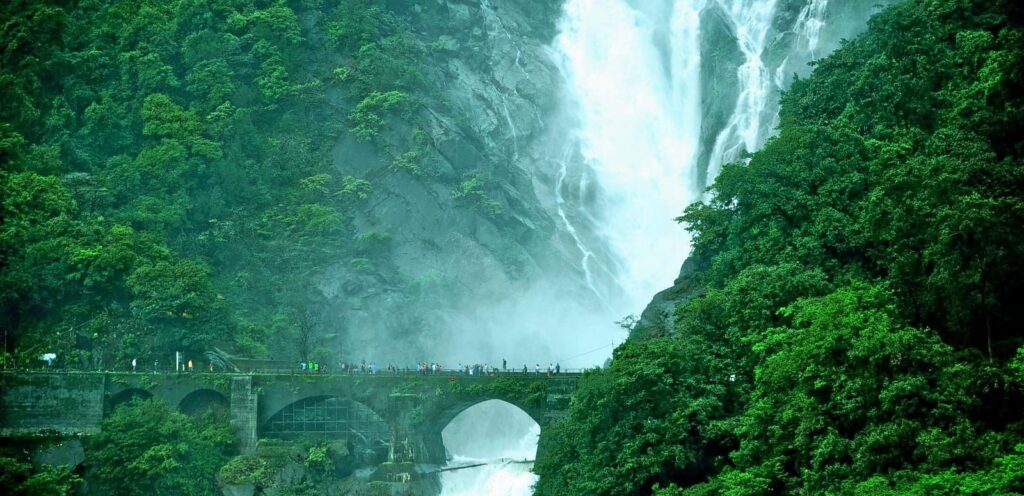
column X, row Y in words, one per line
column 34, row 404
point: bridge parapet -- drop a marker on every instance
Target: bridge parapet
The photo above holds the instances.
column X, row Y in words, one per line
column 50, row 404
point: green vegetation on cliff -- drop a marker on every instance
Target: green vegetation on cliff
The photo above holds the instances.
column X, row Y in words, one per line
column 166, row 179
column 146, row 448
column 859, row 330
column 157, row 160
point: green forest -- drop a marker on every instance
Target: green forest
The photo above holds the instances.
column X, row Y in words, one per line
column 165, row 169
column 859, row 328
column 166, row 183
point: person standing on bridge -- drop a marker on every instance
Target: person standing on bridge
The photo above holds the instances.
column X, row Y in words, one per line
column 536, row 368
column 190, row 365
column 504, row 365
column 524, row 369
column 558, row 368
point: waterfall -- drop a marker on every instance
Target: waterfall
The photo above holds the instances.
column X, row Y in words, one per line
column 586, row 256
column 747, row 129
column 756, row 112
column 511, row 127
column 809, row 25
column 633, row 72
column 628, row 162
column 634, row 76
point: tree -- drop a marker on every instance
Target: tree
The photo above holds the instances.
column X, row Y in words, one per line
column 144, row 448
column 646, row 420
column 847, row 391
column 19, row 479
column 179, row 301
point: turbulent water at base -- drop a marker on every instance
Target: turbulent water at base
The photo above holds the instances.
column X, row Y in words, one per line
column 494, row 479
column 511, row 437
column 653, row 117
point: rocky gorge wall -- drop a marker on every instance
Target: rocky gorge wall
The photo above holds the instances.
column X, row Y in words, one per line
column 474, row 224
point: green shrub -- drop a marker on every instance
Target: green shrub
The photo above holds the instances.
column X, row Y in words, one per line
column 246, row 469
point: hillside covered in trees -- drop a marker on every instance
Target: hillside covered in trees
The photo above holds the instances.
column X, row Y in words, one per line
column 256, row 175
column 858, row 328
column 300, row 179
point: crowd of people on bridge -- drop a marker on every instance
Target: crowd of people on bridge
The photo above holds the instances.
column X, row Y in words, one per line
column 186, row 364
column 431, row 368
column 370, row 368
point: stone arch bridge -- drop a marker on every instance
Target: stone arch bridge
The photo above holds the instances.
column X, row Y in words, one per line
column 413, row 409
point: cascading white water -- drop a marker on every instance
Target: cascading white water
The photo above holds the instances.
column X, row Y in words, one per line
column 747, row 128
column 634, row 74
column 506, row 478
column 810, row 24
column 587, row 256
column 512, row 128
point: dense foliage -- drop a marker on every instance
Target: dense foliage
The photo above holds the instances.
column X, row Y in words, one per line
column 165, row 171
column 860, row 330
column 146, row 448
column 19, row 479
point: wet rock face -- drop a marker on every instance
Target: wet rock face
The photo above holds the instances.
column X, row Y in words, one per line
column 238, row 490
column 720, row 58
column 470, row 223
column 657, row 319
column 475, row 220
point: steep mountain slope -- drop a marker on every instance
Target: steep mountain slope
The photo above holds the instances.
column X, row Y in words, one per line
column 299, row 177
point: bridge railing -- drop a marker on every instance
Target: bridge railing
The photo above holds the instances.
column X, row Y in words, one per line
column 299, row 372
column 408, row 372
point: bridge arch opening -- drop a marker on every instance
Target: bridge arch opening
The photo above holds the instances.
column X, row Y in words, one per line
column 203, row 402
column 126, row 396
column 354, row 431
column 499, row 437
